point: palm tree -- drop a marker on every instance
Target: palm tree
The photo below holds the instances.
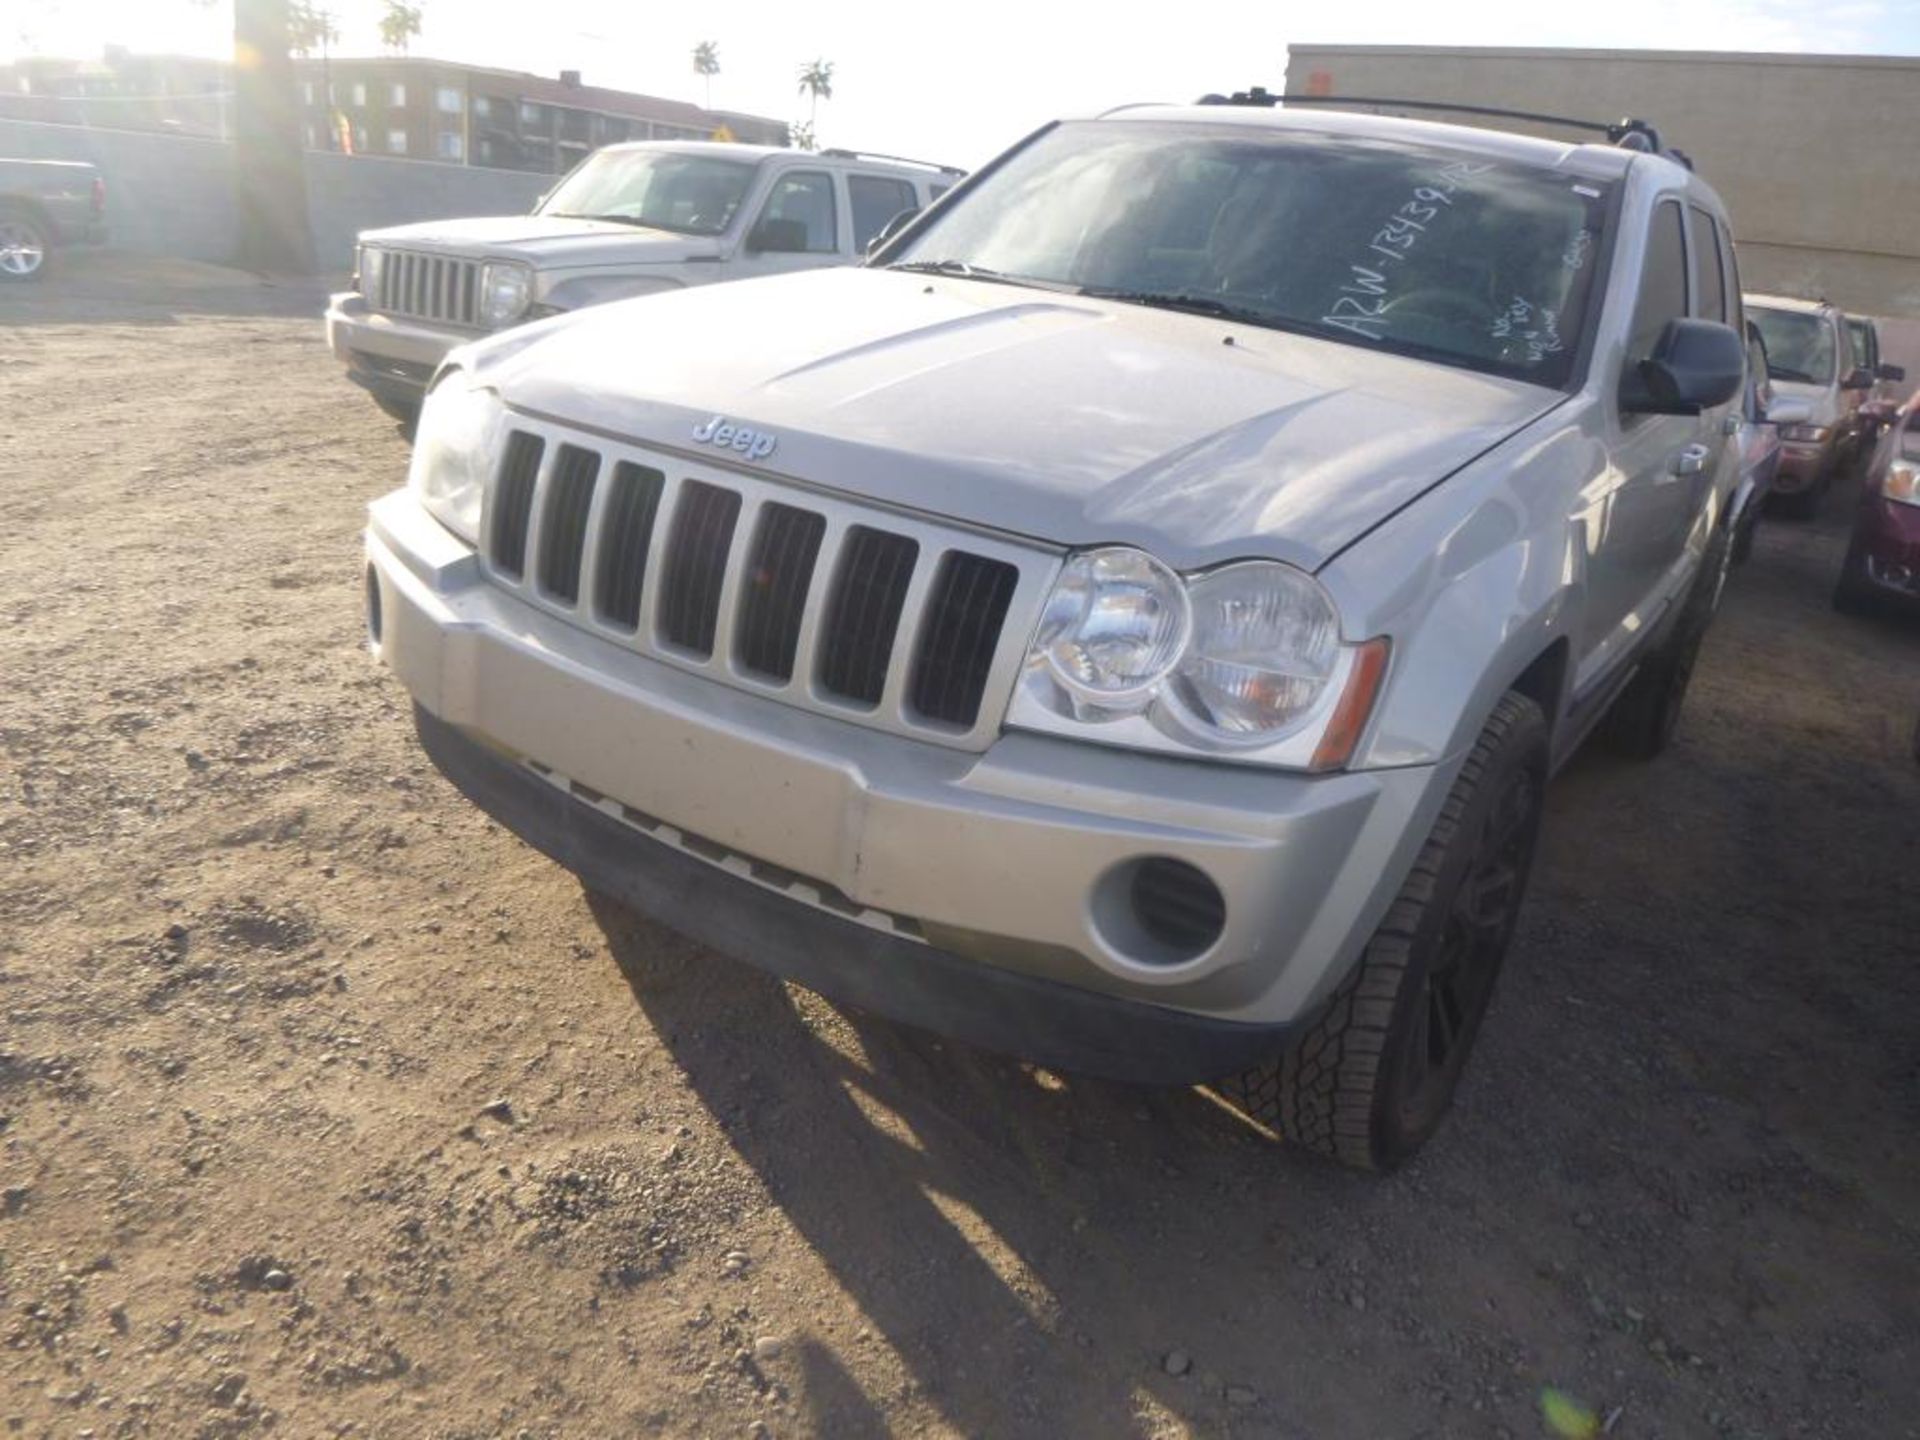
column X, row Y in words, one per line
column 706, row 64
column 816, row 80
column 399, row 24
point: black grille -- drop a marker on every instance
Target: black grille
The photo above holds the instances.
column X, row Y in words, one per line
column 1178, row 905
column 513, row 501
column 626, row 530
column 563, row 529
column 965, row 610
column 696, row 565
column 864, row 613
column 774, row 597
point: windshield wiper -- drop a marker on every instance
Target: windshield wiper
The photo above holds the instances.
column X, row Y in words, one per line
column 964, row 271
column 633, row 220
column 1193, row 305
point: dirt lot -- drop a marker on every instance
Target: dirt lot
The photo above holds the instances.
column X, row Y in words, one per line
column 328, row 1108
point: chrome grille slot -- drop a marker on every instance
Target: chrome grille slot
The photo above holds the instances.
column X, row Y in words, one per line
column 779, row 570
column 563, row 521
column 513, row 501
column 960, row 635
column 884, row 619
column 429, row 287
column 626, row 533
column 863, row 615
column 696, row 565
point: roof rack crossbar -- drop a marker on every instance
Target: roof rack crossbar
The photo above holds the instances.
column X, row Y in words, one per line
column 1628, row 133
column 842, row 154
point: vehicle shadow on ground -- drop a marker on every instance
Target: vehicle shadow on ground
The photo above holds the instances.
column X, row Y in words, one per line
column 86, row 287
column 1031, row 1247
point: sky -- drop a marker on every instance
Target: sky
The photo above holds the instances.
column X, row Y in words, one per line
column 957, row 82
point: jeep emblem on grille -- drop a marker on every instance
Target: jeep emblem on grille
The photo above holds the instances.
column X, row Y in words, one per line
column 720, row 432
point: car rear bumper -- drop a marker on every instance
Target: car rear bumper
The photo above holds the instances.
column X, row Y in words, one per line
column 1022, row 860
column 1802, row 466
column 390, row 356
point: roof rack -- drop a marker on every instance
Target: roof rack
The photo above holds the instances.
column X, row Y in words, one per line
column 839, row 154
column 1628, row 133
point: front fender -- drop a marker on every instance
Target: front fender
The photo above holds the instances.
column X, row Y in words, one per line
column 1487, row 575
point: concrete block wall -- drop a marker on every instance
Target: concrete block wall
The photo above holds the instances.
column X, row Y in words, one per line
column 173, row 195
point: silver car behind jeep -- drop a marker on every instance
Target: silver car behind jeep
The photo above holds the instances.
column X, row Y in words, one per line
column 629, row 220
column 1131, row 623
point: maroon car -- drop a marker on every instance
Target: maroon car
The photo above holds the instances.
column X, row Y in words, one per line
column 1883, row 557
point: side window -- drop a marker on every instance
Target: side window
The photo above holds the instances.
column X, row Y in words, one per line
column 1730, row 265
column 1663, row 283
column 876, row 199
column 807, row 196
column 1710, row 300
column 936, row 190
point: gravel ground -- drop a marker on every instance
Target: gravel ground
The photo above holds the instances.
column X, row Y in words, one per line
column 328, row 1108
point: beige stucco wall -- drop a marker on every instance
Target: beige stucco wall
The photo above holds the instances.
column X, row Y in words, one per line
column 1814, row 155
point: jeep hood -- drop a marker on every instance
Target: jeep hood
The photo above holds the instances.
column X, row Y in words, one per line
column 1067, row 420
column 547, row 241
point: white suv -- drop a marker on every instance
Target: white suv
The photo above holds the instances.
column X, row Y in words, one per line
column 629, row 220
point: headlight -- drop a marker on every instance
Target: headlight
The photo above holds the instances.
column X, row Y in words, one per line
column 505, row 290
column 1265, row 647
column 1245, row 660
column 1902, row 484
column 1114, row 626
column 372, row 260
column 454, row 448
column 1806, row 434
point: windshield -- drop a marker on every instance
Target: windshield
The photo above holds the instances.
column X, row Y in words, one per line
column 1799, row 344
column 689, row 194
column 1467, row 261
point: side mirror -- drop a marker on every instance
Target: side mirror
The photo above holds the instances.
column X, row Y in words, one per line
column 1858, row 378
column 892, row 228
column 778, row 237
column 1697, row 365
column 1786, row 411
column 1893, row 374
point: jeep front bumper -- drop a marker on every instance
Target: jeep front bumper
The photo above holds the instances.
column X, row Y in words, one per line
column 973, row 894
column 390, row 356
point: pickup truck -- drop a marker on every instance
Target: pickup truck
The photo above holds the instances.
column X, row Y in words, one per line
column 44, row 204
column 1129, row 623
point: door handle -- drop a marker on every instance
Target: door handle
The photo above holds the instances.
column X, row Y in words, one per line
column 1691, row 461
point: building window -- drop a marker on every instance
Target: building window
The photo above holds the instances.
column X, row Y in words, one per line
column 483, row 151
column 313, row 136
column 359, row 139
column 480, row 106
column 530, row 113
column 397, row 142
column 306, row 91
column 447, row 100
column 397, row 97
column 450, row 146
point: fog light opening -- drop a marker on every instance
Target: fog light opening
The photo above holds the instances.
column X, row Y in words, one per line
column 1159, row 911
column 373, row 608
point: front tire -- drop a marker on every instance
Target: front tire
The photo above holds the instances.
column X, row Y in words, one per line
column 1374, row 1073
column 25, row 246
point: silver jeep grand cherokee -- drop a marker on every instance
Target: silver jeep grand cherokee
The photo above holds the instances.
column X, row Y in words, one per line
column 1130, row 624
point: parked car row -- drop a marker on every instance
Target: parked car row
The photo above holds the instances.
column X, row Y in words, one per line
column 1831, row 362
